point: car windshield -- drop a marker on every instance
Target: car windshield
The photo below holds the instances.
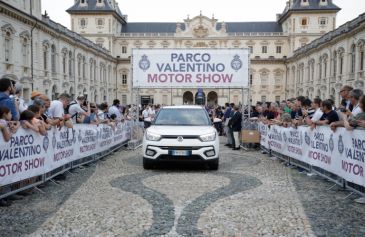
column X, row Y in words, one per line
column 182, row 117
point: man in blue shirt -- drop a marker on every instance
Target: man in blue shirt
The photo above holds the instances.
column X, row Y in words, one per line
column 7, row 89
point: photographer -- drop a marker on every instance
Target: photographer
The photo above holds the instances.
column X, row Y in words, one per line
column 77, row 113
column 57, row 111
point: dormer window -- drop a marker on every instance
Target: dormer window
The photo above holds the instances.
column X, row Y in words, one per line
column 304, row 3
column 323, row 2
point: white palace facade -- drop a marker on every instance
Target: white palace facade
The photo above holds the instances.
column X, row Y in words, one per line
column 300, row 53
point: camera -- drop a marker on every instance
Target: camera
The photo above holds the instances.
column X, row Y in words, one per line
column 343, row 110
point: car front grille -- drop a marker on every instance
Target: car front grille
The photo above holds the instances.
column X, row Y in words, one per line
column 185, row 148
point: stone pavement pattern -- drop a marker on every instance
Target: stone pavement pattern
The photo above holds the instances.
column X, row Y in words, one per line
column 250, row 195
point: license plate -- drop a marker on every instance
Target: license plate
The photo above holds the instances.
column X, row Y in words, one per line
column 180, row 153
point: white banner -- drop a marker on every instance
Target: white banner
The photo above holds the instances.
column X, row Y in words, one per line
column 341, row 153
column 29, row 154
column 196, row 68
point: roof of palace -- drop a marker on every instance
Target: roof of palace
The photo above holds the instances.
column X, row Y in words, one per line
column 91, row 6
column 313, row 5
column 232, row 27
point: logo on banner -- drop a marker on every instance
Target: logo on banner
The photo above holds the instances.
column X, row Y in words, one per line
column 331, row 144
column 236, row 63
column 54, row 139
column 144, row 63
column 284, row 136
column 341, row 146
column 307, row 139
column 45, row 143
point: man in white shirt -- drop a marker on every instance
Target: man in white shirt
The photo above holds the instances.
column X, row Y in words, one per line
column 57, row 110
column 114, row 109
column 316, row 105
column 75, row 110
column 146, row 116
column 355, row 96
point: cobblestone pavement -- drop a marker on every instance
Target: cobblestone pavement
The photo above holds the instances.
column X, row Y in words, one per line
column 250, row 195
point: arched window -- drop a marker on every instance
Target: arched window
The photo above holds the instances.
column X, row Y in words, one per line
column 341, row 62
column 25, row 54
column 70, row 68
column 353, row 58
column 8, row 47
column 64, row 61
column 79, row 65
column 83, row 67
column 45, row 57
column 53, row 58
column 334, row 63
column 91, row 70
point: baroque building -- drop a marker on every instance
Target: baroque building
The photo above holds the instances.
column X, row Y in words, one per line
column 300, row 53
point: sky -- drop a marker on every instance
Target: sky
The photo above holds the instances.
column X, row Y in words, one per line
column 177, row 11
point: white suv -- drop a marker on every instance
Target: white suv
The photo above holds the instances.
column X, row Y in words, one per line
column 181, row 133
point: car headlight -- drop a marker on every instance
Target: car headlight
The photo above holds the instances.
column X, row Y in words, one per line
column 208, row 137
column 152, row 137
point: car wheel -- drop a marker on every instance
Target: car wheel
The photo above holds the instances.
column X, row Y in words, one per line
column 147, row 164
column 214, row 165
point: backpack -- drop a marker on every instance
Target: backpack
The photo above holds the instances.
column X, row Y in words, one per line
column 69, row 106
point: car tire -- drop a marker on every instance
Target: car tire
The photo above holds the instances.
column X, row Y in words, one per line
column 214, row 164
column 147, row 164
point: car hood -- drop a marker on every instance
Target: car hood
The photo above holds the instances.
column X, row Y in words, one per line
column 181, row 130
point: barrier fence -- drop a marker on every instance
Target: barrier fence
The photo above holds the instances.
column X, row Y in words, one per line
column 338, row 156
column 30, row 159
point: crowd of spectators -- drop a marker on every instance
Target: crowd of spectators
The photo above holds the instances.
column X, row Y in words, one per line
column 350, row 113
column 41, row 114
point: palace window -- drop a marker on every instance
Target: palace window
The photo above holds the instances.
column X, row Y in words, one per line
column 83, row 23
column 334, row 63
column 8, row 46
column 263, row 98
column 277, row 98
column 278, row 49
column 70, row 59
column 250, row 49
column 25, row 51
column 83, row 67
column 53, row 59
column 353, row 58
column 322, row 21
column 45, row 58
column 304, row 21
column 64, row 58
column 124, row 49
column 341, row 63
column 264, row 49
column 264, row 78
column 100, row 22
column 79, row 66
column 362, row 60
column 124, row 79
column 91, row 69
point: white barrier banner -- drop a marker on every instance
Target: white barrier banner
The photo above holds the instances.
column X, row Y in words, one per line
column 351, row 150
column 196, row 68
column 264, row 140
column 341, row 153
column 26, row 155
column 295, row 148
column 276, row 141
column 30, row 154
